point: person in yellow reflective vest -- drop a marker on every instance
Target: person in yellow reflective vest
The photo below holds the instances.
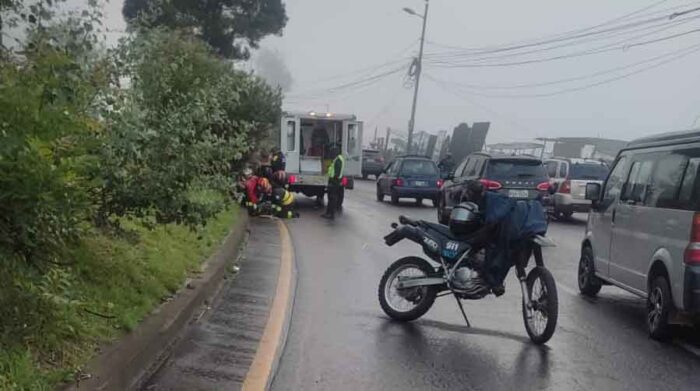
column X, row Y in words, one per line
column 335, row 177
column 283, row 203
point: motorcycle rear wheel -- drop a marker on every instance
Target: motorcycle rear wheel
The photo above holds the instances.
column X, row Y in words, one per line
column 412, row 303
column 541, row 320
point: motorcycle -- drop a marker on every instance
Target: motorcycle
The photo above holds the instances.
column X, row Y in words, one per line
column 410, row 285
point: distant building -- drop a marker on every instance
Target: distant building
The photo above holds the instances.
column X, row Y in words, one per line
column 466, row 139
column 587, row 147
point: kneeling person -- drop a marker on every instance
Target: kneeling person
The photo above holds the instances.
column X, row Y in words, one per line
column 283, row 203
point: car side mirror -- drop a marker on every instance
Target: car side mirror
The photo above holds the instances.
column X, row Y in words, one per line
column 593, row 191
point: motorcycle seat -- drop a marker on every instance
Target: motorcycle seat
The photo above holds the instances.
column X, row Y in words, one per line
column 444, row 231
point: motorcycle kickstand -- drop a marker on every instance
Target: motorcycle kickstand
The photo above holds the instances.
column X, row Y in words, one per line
column 461, row 308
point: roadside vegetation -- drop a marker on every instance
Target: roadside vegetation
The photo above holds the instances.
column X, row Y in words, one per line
column 116, row 169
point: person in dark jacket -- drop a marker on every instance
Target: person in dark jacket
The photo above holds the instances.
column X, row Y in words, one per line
column 335, row 177
column 446, row 165
column 278, row 161
column 507, row 224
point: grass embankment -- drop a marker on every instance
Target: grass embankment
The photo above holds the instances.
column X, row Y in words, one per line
column 53, row 321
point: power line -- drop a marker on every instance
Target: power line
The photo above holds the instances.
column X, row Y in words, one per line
column 564, row 39
column 604, row 49
column 680, row 54
column 572, row 34
column 362, row 82
column 399, row 57
column 664, row 26
column 569, row 79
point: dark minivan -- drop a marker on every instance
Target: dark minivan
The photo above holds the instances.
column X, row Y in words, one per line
column 519, row 177
column 410, row 177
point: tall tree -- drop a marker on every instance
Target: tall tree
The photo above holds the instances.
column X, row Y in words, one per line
column 231, row 27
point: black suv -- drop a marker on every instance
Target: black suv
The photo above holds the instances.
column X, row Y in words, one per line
column 519, row 177
column 409, row 177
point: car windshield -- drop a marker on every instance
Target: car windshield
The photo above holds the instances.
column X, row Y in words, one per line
column 502, row 169
column 588, row 171
column 419, row 168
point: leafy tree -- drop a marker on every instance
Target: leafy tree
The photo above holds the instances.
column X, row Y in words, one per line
column 186, row 117
column 231, row 27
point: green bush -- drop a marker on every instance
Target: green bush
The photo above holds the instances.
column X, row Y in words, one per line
column 187, row 116
column 47, row 132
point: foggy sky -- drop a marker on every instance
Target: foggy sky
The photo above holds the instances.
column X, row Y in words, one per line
column 327, row 41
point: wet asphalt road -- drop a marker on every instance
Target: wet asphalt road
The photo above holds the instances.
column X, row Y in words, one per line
column 340, row 339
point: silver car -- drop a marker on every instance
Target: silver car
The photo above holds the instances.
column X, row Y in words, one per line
column 570, row 194
column 643, row 232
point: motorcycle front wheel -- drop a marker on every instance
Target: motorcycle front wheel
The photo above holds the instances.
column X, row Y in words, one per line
column 410, row 303
column 541, row 319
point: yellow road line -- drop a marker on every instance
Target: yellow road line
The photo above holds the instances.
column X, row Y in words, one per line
column 260, row 372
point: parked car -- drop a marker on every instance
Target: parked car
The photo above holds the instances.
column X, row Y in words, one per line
column 372, row 163
column 409, row 177
column 519, row 177
column 643, row 232
column 570, row 189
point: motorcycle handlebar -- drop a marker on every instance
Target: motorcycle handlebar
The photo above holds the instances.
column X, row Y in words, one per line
column 405, row 220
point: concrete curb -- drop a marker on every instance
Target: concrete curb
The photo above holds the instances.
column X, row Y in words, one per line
column 131, row 360
column 264, row 367
column 282, row 343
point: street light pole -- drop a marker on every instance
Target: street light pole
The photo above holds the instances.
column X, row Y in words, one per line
column 419, row 69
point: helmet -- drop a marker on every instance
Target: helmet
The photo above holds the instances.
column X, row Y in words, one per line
column 280, row 177
column 264, row 185
column 465, row 218
column 278, row 195
column 247, row 172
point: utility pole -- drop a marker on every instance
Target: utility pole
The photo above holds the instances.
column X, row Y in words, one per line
column 419, row 69
column 386, row 141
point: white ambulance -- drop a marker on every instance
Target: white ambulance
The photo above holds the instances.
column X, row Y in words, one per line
column 307, row 139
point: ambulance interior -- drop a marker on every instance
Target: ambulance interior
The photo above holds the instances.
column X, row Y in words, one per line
column 318, row 138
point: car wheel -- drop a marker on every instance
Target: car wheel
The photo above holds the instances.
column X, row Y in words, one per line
column 588, row 283
column 380, row 195
column 394, row 198
column 659, row 306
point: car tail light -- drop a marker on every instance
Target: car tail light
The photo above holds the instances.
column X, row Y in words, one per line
column 292, row 179
column 565, row 187
column 544, row 186
column 344, row 181
column 397, row 182
column 440, row 182
column 491, row 185
column 692, row 252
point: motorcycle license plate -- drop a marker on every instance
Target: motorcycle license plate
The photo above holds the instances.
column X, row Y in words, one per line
column 421, row 183
column 517, row 193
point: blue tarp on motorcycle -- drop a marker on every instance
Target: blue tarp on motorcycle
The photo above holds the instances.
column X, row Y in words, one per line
column 517, row 221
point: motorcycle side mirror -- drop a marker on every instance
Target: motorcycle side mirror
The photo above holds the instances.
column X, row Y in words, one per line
column 394, row 225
